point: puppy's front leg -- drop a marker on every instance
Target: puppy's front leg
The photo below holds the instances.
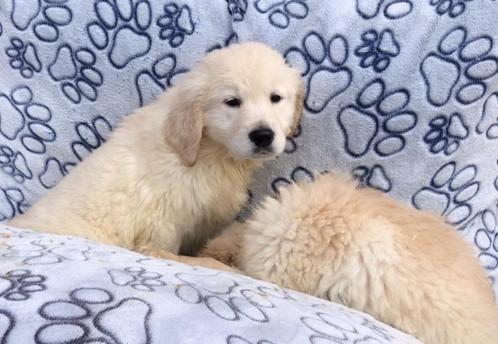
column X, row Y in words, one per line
column 226, row 247
column 206, row 262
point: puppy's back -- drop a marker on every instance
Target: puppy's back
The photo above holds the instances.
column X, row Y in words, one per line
column 359, row 247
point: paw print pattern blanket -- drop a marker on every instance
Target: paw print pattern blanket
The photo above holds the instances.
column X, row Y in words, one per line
column 401, row 93
column 56, row 289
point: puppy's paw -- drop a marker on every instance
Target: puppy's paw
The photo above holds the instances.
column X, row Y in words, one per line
column 206, row 262
column 225, row 247
column 154, row 252
column 218, row 250
column 211, row 263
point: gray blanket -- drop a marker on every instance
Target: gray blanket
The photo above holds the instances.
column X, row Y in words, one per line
column 401, row 93
column 56, row 289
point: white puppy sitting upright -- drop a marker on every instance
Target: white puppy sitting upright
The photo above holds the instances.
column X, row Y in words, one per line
column 178, row 169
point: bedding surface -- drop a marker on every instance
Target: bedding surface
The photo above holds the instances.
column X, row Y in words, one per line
column 401, row 93
column 56, row 289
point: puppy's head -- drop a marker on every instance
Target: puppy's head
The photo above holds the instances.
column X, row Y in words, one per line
column 244, row 97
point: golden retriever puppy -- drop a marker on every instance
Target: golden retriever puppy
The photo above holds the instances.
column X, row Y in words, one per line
column 362, row 249
column 177, row 169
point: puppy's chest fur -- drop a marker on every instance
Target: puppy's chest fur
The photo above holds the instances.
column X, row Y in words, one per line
column 212, row 206
column 194, row 203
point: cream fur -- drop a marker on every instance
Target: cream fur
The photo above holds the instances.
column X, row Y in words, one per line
column 362, row 249
column 176, row 170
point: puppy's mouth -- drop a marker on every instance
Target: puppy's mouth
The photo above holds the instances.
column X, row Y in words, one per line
column 263, row 153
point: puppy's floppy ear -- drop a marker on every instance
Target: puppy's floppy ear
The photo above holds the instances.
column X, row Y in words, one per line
column 185, row 122
column 298, row 107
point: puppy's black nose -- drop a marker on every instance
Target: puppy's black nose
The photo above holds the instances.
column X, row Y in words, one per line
column 262, row 137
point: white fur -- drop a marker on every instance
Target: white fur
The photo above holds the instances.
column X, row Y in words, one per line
column 177, row 169
column 364, row 250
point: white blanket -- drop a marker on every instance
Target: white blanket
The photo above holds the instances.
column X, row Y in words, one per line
column 56, row 289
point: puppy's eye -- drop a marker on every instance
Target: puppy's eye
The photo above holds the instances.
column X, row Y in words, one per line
column 275, row 98
column 233, row 102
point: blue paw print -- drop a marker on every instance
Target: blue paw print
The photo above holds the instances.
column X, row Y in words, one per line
column 234, row 339
column 12, row 202
column 459, row 61
column 379, row 119
column 233, row 38
column 450, row 192
column 381, row 332
column 90, row 136
column 24, row 12
column 282, row 11
column 45, row 17
column 322, row 64
column 453, row 8
column 237, row 9
column 27, row 119
column 374, row 177
column 14, row 164
column 8, row 320
column 337, row 327
column 217, row 292
column 175, row 24
column 488, row 123
column 446, row 133
column 299, row 174
column 137, row 277
column 94, row 315
column 291, row 144
column 486, row 239
column 52, row 173
column 121, row 30
column 377, row 49
column 496, row 180
column 76, row 73
column 394, row 9
column 19, row 285
column 149, row 83
column 23, row 57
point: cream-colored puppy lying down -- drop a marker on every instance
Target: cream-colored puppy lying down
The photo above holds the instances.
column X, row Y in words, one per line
column 176, row 170
column 362, row 249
